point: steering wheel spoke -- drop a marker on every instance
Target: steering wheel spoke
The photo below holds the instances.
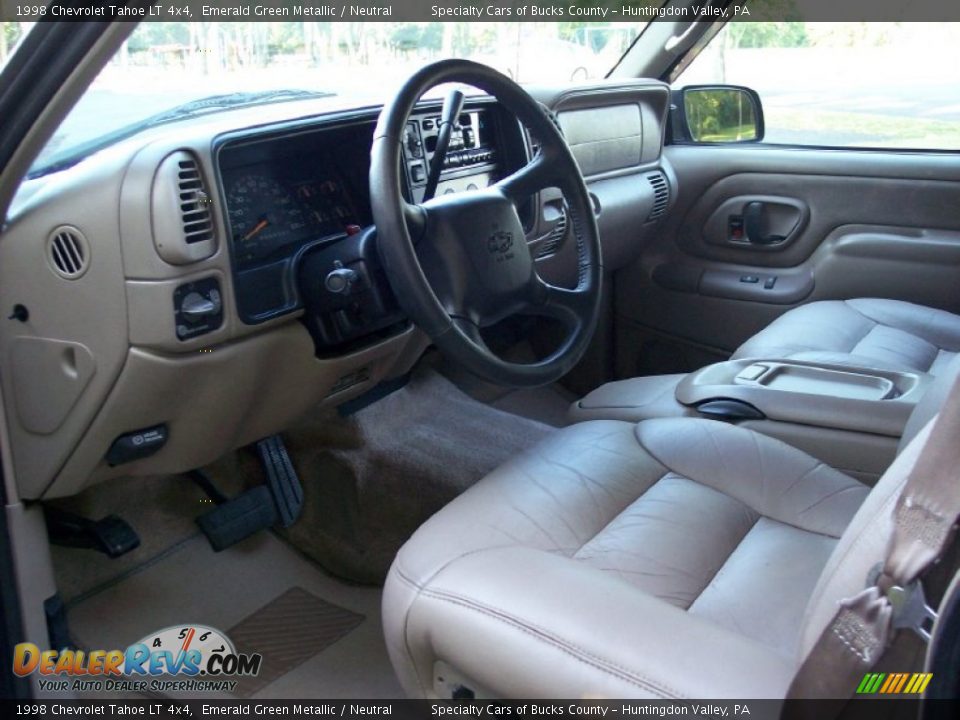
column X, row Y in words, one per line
column 415, row 217
column 571, row 307
column 471, row 330
column 536, row 175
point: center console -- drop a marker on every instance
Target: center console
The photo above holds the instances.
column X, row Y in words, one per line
column 852, row 418
column 829, row 396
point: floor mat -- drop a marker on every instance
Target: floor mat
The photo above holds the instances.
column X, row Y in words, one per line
column 194, row 585
column 287, row 632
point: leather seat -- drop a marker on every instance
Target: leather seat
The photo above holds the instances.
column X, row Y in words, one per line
column 672, row 558
column 867, row 332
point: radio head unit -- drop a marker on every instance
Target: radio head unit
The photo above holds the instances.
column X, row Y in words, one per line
column 471, row 161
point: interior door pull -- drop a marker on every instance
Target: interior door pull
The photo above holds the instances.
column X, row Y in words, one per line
column 754, row 225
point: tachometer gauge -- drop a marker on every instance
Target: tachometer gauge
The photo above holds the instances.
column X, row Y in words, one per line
column 263, row 216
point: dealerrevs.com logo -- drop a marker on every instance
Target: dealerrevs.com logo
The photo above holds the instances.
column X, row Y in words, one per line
column 185, row 658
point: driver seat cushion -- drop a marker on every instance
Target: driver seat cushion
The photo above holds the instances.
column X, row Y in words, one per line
column 674, row 558
column 870, row 332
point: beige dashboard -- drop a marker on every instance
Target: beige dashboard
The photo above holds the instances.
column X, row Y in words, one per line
column 90, row 265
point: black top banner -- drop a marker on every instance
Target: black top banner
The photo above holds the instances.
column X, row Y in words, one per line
column 599, row 11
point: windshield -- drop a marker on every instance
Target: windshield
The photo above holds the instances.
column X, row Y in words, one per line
column 163, row 66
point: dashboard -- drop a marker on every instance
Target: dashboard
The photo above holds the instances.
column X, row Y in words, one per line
column 226, row 278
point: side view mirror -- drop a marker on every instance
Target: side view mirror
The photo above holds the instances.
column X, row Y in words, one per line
column 717, row 114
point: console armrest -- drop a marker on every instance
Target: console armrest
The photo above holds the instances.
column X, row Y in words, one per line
column 822, row 395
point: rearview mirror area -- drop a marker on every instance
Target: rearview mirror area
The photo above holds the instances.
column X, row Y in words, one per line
column 720, row 114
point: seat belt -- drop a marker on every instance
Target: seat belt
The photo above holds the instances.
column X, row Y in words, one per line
column 924, row 521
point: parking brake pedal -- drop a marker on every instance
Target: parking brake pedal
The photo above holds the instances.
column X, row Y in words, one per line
column 110, row 535
column 279, row 502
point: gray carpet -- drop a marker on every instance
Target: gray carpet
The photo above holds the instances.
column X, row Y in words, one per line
column 371, row 479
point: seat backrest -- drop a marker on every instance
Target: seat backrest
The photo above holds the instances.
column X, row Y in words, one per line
column 931, row 402
column 864, row 542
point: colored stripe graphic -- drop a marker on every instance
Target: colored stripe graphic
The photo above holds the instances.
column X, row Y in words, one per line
column 918, row 683
column 894, row 683
column 870, row 683
column 892, row 679
column 903, row 681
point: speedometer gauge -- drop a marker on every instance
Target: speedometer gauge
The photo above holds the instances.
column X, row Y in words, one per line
column 264, row 216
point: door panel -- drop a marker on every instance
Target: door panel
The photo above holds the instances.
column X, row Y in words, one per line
column 853, row 223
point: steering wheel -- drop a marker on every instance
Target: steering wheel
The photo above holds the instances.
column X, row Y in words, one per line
column 460, row 262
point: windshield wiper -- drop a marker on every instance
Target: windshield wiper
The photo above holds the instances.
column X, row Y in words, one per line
column 193, row 108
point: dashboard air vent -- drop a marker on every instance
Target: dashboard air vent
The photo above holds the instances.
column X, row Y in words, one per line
column 183, row 214
column 551, row 242
column 194, row 202
column 661, row 195
column 68, row 252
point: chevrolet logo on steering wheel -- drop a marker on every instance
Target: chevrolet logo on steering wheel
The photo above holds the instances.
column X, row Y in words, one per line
column 500, row 242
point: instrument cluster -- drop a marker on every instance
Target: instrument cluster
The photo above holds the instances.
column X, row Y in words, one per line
column 293, row 190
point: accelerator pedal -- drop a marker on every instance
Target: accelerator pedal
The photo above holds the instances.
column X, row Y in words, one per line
column 278, row 503
column 282, row 479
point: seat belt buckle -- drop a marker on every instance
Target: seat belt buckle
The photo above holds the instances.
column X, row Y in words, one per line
column 909, row 608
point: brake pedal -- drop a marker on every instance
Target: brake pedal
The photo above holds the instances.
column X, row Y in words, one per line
column 239, row 518
column 110, row 535
column 277, row 503
column 282, row 479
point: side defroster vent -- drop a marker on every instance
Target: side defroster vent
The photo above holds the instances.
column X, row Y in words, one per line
column 183, row 214
column 68, row 252
column 661, row 195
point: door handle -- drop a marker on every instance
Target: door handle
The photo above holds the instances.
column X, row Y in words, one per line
column 754, row 225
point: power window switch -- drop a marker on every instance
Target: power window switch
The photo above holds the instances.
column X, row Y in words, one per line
column 770, row 282
column 750, row 279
